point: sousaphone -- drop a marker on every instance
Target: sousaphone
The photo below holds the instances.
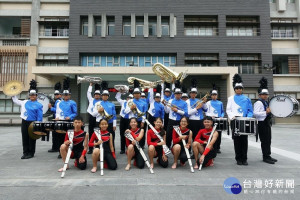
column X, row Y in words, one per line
column 13, row 88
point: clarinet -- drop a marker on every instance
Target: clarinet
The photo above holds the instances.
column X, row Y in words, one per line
column 71, row 135
column 130, row 137
column 177, row 129
column 209, row 139
column 165, row 147
column 98, row 134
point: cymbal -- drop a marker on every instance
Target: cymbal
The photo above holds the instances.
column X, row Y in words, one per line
column 31, row 134
column 13, row 88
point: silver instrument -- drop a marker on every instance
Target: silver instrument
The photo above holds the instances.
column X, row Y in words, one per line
column 129, row 137
column 144, row 83
column 165, row 147
column 209, row 139
column 136, row 111
column 167, row 74
column 123, row 89
column 98, row 134
column 71, row 135
column 88, row 79
column 104, row 114
column 177, row 129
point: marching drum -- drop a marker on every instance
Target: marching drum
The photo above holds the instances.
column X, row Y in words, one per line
column 62, row 127
column 44, row 100
column 49, row 126
column 222, row 124
column 283, row 106
column 244, row 126
column 39, row 128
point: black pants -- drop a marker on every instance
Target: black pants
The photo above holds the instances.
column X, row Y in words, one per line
column 27, row 142
column 77, row 155
column 60, row 138
column 218, row 141
column 195, row 126
column 211, row 154
column 111, row 162
column 182, row 156
column 55, row 145
column 240, row 145
column 140, row 163
column 161, row 162
column 92, row 125
column 151, row 120
column 171, row 123
column 265, row 136
column 124, row 124
column 143, row 140
column 166, row 121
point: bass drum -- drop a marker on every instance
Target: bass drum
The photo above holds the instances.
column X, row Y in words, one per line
column 283, row 106
column 44, row 100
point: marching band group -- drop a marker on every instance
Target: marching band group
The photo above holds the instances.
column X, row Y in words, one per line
column 174, row 125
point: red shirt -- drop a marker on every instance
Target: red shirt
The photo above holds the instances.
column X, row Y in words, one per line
column 203, row 135
column 152, row 139
column 78, row 140
column 134, row 134
column 105, row 136
column 175, row 136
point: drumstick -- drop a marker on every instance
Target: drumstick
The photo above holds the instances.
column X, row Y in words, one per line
column 209, row 139
column 71, row 134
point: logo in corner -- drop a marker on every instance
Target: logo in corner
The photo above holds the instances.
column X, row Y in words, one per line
column 232, row 186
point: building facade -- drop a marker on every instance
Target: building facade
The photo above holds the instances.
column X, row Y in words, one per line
column 211, row 40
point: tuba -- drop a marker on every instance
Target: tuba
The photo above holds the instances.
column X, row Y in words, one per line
column 88, row 79
column 167, row 74
column 136, row 110
column 104, row 114
column 123, row 89
column 144, row 83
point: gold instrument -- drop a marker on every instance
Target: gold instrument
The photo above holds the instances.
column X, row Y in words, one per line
column 136, row 110
column 200, row 101
column 144, row 83
column 33, row 135
column 166, row 103
column 88, row 79
column 123, row 89
column 167, row 74
column 104, row 114
column 12, row 88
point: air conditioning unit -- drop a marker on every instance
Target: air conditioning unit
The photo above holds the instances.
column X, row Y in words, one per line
column 281, row 5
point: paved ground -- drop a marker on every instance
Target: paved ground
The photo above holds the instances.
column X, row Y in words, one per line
column 38, row 178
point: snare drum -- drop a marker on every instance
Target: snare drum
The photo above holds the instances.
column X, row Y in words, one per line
column 244, row 126
column 284, row 106
column 39, row 128
column 62, row 127
column 222, row 124
column 49, row 126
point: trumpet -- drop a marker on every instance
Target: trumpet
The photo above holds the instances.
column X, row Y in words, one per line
column 104, row 113
column 123, row 89
column 166, row 103
column 88, row 79
column 144, row 83
column 200, row 101
column 136, row 110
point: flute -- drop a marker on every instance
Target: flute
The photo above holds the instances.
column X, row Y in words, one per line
column 70, row 135
column 177, row 129
column 209, row 139
column 98, row 134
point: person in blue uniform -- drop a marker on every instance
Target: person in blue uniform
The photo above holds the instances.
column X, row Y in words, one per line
column 239, row 105
column 57, row 99
column 31, row 110
column 215, row 110
column 92, row 102
column 166, row 95
column 156, row 107
column 124, row 119
column 262, row 113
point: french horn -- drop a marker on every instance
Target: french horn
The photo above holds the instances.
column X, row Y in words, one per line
column 167, row 74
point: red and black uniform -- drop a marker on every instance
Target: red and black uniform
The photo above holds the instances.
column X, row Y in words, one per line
column 78, row 147
column 203, row 136
column 140, row 163
column 182, row 156
column 109, row 156
column 152, row 139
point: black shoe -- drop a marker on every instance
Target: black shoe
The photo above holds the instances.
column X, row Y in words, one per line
column 122, row 152
column 29, row 156
column 273, row 159
column 52, row 150
column 268, row 160
column 245, row 162
column 90, row 151
column 239, row 162
column 59, row 156
column 218, row 151
column 24, row 156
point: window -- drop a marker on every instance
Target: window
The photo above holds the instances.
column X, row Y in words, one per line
column 272, row 1
column 283, row 32
column 246, row 63
column 55, row 31
column 7, row 106
column 200, row 25
column 126, row 25
column 242, row 26
column 286, row 64
column 165, row 25
column 110, row 25
column 290, row 1
column 84, row 26
column 97, row 25
column 152, row 25
column 201, row 59
column 137, row 60
column 139, row 26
